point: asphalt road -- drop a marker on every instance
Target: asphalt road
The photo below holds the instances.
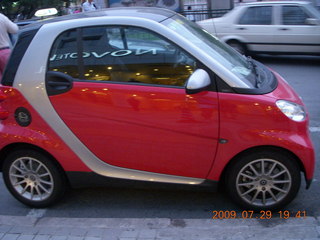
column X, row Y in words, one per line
column 303, row 73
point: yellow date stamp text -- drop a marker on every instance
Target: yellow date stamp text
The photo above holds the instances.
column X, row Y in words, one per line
column 263, row 214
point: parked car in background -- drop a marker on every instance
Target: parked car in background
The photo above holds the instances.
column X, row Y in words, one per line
column 143, row 94
column 269, row 27
column 26, row 22
column 39, row 15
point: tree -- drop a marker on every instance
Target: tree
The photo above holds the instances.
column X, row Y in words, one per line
column 27, row 8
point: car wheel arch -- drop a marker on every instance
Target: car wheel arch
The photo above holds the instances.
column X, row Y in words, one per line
column 257, row 149
column 241, row 44
column 227, row 38
column 26, row 146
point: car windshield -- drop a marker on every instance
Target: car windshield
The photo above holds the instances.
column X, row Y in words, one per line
column 223, row 54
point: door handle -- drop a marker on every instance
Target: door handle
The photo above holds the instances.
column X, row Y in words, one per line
column 58, row 82
column 241, row 28
column 284, row 29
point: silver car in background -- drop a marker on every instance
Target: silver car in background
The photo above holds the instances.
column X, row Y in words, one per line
column 289, row 27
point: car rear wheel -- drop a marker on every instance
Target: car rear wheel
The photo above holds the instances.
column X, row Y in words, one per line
column 33, row 178
column 265, row 180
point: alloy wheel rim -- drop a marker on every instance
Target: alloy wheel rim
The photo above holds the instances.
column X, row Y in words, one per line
column 31, row 179
column 263, row 182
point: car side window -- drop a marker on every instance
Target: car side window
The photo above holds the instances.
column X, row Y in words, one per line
column 257, row 16
column 293, row 15
column 122, row 54
column 64, row 55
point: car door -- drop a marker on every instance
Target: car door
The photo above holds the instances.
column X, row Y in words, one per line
column 255, row 28
column 121, row 91
column 294, row 33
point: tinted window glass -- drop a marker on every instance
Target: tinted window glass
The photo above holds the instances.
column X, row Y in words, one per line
column 293, row 15
column 63, row 56
column 257, row 16
column 122, row 54
column 232, row 61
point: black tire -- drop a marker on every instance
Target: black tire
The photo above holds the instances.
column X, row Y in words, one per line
column 238, row 46
column 33, row 178
column 253, row 188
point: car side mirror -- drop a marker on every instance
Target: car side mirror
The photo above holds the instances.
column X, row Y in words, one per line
column 312, row 21
column 198, row 81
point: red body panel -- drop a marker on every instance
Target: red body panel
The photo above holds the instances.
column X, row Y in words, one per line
column 153, row 129
column 249, row 121
column 161, row 130
column 38, row 133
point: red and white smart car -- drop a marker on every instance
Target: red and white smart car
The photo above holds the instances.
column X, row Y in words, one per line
column 143, row 94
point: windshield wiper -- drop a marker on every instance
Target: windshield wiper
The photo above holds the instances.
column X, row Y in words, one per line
column 253, row 66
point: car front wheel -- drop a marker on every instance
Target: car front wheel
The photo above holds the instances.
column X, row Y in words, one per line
column 265, row 180
column 33, row 178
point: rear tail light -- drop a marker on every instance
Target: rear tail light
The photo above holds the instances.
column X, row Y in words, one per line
column 3, row 112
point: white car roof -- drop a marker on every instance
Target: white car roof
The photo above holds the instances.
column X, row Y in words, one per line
column 275, row 3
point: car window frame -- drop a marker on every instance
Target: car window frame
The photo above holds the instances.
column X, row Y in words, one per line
column 24, row 39
column 293, row 5
column 79, row 48
column 241, row 15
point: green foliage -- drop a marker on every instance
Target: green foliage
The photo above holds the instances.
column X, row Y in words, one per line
column 27, row 8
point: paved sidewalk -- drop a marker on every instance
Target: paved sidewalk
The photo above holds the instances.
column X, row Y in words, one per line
column 32, row 228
